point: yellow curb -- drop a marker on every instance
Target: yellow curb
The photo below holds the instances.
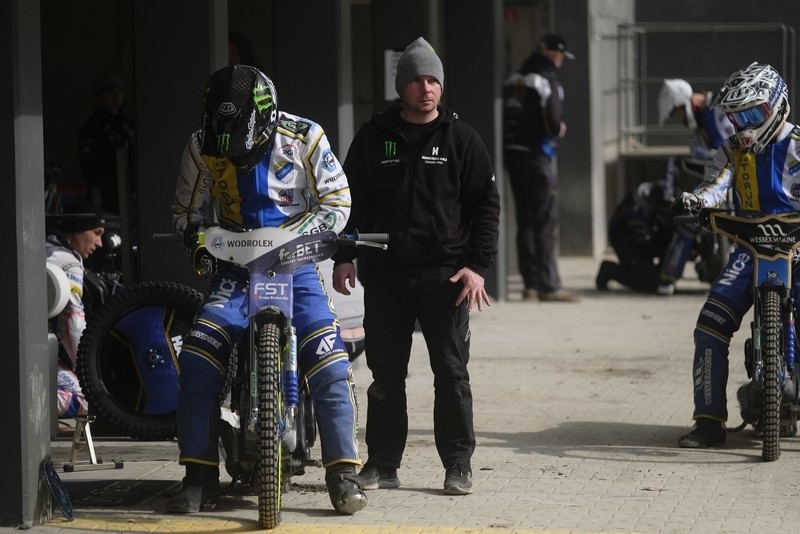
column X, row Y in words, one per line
column 205, row 524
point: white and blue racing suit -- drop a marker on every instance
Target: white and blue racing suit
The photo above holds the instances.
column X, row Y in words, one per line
column 764, row 183
column 69, row 327
column 299, row 185
column 713, row 127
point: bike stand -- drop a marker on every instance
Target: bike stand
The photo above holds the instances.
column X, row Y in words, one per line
column 83, row 429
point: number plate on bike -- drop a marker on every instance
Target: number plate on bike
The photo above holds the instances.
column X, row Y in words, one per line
column 270, row 291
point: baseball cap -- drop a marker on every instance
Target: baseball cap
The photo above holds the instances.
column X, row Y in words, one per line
column 556, row 43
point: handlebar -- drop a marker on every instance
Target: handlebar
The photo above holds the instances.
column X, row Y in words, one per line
column 167, row 237
column 702, row 217
column 375, row 240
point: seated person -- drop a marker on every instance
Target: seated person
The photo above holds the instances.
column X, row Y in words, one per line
column 640, row 231
column 78, row 234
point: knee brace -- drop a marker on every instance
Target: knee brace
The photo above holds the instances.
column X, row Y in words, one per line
column 718, row 318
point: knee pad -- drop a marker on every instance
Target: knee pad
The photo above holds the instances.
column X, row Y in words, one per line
column 719, row 319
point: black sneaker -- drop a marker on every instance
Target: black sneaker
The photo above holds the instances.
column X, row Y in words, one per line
column 458, row 480
column 343, row 489
column 200, row 490
column 193, row 499
column 706, row 433
column 377, row 477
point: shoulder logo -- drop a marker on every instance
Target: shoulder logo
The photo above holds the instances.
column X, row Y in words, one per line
column 328, row 161
column 295, row 127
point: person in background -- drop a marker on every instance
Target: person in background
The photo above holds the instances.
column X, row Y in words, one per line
column 640, row 230
column 106, row 129
column 762, row 156
column 257, row 166
column 77, row 236
column 421, row 174
column 533, row 114
column 708, row 128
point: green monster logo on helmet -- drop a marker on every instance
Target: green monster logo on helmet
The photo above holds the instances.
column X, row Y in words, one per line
column 262, row 98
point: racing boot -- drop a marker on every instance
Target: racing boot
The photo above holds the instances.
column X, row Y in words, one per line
column 706, row 433
column 345, row 493
column 200, row 490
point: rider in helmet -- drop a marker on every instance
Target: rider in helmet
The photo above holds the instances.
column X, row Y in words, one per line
column 759, row 163
column 709, row 127
column 256, row 166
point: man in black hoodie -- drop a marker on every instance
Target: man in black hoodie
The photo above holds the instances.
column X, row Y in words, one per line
column 533, row 126
column 422, row 175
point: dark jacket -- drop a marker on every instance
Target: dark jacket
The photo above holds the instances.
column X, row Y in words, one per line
column 438, row 202
column 533, row 106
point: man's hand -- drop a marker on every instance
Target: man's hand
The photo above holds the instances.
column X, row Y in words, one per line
column 343, row 274
column 472, row 289
column 687, row 204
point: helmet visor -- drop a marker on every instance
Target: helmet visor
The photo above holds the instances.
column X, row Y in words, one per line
column 750, row 118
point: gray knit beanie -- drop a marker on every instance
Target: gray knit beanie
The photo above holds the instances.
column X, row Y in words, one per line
column 418, row 59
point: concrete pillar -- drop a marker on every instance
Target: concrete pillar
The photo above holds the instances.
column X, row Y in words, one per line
column 24, row 314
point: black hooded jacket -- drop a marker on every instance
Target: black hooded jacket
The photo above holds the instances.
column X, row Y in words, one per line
column 438, row 201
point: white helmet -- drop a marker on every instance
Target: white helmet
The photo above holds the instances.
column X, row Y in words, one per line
column 756, row 101
column 676, row 93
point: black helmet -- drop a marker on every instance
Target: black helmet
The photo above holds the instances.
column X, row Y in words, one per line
column 240, row 115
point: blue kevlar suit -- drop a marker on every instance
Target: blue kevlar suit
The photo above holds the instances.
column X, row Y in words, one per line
column 764, row 183
column 299, row 185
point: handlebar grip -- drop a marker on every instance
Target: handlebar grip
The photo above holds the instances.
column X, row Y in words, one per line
column 376, row 238
column 167, row 237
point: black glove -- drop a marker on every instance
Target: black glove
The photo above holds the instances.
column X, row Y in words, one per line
column 203, row 262
column 190, row 241
column 687, row 204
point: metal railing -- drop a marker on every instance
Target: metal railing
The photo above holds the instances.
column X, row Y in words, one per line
column 703, row 54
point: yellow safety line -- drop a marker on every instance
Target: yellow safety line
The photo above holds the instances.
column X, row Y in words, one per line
column 206, row 524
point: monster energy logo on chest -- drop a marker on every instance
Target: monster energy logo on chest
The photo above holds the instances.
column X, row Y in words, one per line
column 390, row 148
column 223, row 141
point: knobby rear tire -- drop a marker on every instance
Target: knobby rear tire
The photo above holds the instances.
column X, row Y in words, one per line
column 127, row 359
column 772, row 334
column 268, row 345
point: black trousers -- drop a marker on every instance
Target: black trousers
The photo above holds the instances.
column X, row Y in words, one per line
column 534, row 184
column 395, row 299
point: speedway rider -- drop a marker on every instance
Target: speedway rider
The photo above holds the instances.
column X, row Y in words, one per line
column 759, row 163
column 708, row 127
column 256, row 166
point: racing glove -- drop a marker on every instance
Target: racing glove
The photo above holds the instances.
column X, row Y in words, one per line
column 687, row 204
column 203, row 263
